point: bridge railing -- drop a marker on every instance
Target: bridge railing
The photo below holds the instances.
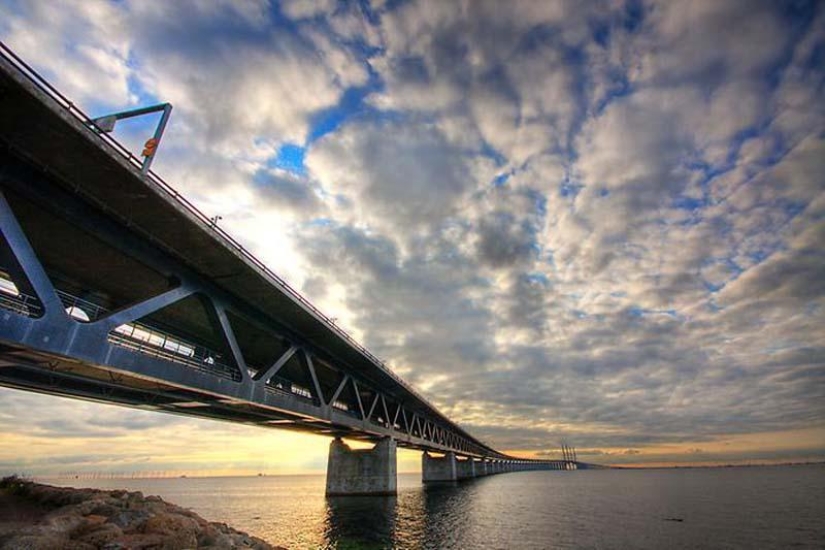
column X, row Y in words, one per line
column 148, row 341
column 80, row 309
column 21, row 303
column 205, row 220
column 11, row 298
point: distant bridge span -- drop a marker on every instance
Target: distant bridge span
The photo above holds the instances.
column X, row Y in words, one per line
column 114, row 288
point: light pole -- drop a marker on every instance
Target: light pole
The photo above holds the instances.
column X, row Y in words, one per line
column 106, row 124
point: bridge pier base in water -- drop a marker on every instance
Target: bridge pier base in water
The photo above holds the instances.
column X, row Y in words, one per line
column 465, row 469
column 436, row 470
column 363, row 471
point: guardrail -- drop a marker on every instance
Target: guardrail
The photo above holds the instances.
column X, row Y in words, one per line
column 154, row 179
column 200, row 362
column 22, row 304
column 80, row 309
column 151, row 340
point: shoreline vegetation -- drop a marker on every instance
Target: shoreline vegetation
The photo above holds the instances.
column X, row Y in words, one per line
column 35, row 516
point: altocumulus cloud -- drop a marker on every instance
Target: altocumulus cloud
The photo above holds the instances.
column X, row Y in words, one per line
column 600, row 221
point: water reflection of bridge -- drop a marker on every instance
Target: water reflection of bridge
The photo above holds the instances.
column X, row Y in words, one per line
column 114, row 288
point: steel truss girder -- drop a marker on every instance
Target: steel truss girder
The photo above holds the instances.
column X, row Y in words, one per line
column 56, row 334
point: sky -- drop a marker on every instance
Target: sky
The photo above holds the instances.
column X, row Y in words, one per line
column 600, row 222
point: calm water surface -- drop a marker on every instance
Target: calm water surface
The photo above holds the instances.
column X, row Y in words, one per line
column 763, row 507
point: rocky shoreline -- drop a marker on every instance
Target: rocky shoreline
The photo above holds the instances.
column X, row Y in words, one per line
column 34, row 516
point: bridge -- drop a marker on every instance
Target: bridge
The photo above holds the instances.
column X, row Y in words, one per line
column 114, row 288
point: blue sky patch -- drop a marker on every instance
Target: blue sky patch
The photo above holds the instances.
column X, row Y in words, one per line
column 351, row 104
column 687, row 203
column 290, row 157
column 500, row 180
column 568, row 189
column 634, row 15
column 537, row 277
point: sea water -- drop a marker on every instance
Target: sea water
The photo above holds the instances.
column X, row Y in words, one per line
column 755, row 507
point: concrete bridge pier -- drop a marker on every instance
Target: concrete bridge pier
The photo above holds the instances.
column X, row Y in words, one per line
column 465, row 469
column 435, row 470
column 362, row 472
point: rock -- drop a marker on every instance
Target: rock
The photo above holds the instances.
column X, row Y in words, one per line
column 130, row 520
column 208, row 535
column 135, row 541
column 80, row 508
column 242, row 540
column 89, row 519
column 222, row 542
column 222, row 527
column 64, row 523
column 178, row 531
column 104, row 509
column 168, row 523
column 95, row 519
column 101, row 535
column 44, row 542
column 90, row 523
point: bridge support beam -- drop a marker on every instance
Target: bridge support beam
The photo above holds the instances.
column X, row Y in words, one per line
column 362, row 472
column 435, row 470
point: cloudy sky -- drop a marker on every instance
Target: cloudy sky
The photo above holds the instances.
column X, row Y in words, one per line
column 594, row 222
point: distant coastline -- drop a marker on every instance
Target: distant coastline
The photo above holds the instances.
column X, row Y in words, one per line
column 710, row 466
